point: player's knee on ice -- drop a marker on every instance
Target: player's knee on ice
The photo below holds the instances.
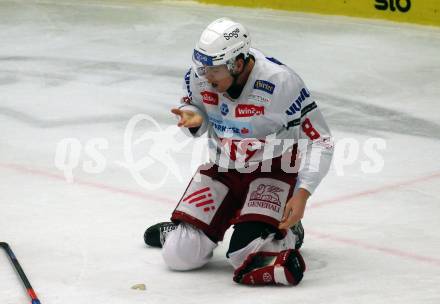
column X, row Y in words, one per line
column 187, row 248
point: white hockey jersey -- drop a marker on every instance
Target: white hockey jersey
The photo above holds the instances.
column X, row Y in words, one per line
column 274, row 113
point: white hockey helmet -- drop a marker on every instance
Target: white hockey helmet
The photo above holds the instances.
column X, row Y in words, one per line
column 220, row 43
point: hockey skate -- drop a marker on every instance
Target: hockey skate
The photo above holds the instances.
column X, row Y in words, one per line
column 298, row 230
column 155, row 235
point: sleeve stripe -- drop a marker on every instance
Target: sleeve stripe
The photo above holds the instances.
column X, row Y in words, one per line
column 293, row 123
column 304, row 112
column 187, row 81
column 308, row 109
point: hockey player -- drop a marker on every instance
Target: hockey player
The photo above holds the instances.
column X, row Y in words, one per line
column 256, row 111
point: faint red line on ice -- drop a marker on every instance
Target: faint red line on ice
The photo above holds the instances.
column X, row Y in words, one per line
column 388, row 187
column 387, row 250
column 95, row 185
column 143, row 195
column 149, row 197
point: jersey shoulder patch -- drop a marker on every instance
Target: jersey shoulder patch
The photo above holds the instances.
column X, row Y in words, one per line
column 264, row 85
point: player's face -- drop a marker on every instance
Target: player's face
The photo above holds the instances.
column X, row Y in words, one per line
column 219, row 77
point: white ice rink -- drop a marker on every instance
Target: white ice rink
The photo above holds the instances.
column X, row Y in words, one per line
column 83, row 69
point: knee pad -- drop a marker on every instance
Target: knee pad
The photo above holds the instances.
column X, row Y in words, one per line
column 187, row 248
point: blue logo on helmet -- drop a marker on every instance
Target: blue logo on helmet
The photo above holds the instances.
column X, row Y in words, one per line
column 202, row 58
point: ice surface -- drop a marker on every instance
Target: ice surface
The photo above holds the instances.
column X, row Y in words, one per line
column 83, row 69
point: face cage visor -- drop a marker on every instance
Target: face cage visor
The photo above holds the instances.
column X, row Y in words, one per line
column 204, row 67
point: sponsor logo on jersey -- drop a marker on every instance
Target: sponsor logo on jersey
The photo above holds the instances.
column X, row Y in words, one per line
column 258, row 98
column 224, row 109
column 264, row 85
column 296, row 104
column 224, row 127
column 209, row 98
column 266, row 196
column 221, row 126
column 234, row 34
column 201, row 198
column 248, row 110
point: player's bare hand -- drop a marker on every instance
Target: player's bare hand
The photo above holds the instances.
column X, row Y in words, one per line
column 188, row 119
column 294, row 210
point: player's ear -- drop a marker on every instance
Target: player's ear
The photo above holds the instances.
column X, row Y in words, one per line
column 239, row 65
